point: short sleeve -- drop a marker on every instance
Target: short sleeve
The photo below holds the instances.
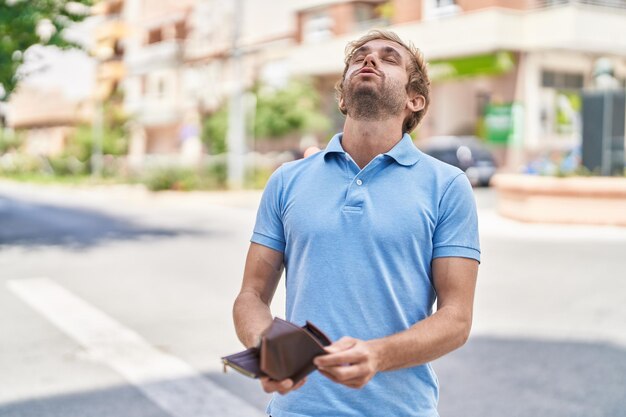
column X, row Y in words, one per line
column 456, row 233
column 268, row 229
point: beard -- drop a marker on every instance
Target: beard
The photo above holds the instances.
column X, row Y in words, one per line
column 374, row 102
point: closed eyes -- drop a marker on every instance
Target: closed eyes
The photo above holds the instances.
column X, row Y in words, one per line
column 390, row 59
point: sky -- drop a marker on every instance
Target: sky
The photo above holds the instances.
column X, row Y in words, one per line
column 72, row 71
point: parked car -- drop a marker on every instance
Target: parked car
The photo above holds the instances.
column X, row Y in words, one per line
column 468, row 153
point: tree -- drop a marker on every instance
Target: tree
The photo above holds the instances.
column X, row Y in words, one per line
column 24, row 23
column 293, row 108
column 279, row 112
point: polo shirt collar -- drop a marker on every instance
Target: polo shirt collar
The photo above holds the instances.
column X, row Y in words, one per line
column 334, row 146
column 404, row 153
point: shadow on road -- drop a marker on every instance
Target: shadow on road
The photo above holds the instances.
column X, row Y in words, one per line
column 487, row 378
column 36, row 224
column 124, row 400
column 129, row 401
column 492, row 377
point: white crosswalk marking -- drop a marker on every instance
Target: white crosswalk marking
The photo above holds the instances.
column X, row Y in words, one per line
column 165, row 379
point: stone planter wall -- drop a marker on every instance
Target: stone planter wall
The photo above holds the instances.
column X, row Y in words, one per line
column 574, row 200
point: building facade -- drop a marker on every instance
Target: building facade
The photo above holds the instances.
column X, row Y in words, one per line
column 510, row 71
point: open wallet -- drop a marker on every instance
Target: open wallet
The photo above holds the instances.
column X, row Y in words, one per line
column 286, row 351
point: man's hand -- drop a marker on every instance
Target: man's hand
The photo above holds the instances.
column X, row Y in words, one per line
column 281, row 387
column 350, row 362
column 311, row 150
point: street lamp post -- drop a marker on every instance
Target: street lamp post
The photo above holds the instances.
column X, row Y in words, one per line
column 236, row 116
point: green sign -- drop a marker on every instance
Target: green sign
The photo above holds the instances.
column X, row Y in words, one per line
column 499, row 123
column 471, row 66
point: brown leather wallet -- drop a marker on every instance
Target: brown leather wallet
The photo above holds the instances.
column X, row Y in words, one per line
column 286, row 351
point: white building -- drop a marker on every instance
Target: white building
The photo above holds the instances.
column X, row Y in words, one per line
column 486, row 56
column 510, row 70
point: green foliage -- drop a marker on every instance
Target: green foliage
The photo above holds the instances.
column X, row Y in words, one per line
column 68, row 166
column 170, row 178
column 114, row 142
column 214, row 176
column 211, row 177
column 291, row 109
column 18, row 31
column 214, row 131
column 10, row 140
column 80, row 145
column 278, row 113
column 257, row 177
column 568, row 105
column 16, row 164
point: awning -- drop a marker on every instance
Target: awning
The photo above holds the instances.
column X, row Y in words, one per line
column 471, row 66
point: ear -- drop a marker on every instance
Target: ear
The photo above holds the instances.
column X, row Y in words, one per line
column 415, row 103
column 342, row 104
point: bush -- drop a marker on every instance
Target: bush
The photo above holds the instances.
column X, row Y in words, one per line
column 10, row 140
column 19, row 164
column 211, row 176
column 257, row 177
column 214, row 175
column 80, row 145
column 170, row 178
column 214, row 131
column 68, row 165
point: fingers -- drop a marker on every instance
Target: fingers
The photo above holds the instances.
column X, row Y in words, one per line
column 299, row 384
column 344, row 373
column 282, row 387
column 342, row 344
column 311, row 150
column 353, row 378
column 350, row 362
column 345, row 351
column 347, row 357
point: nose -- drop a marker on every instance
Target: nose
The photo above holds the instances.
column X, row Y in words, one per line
column 370, row 60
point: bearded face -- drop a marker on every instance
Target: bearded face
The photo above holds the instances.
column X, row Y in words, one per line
column 373, row 96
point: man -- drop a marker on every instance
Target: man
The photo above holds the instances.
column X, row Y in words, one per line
column 370, row 231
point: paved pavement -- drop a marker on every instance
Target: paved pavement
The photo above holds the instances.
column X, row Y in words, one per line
column 115, row 301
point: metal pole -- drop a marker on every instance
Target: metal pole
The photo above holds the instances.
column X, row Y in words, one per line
column 236, row 113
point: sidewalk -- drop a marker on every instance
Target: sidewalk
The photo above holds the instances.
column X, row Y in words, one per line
column 492, row 225
column 129, row 194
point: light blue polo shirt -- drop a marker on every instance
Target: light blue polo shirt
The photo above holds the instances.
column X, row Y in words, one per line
column 358, row 246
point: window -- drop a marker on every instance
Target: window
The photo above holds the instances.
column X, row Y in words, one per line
column 155, row 36
column 181, row 30
column 562, row 80
column 561, row 103
column 161, row 87
column 318, row 27
column 118, row 49
column 434, row 9
column 367, row 16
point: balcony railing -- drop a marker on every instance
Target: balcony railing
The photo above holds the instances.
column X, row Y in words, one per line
column 618, row 4
column 161, row 54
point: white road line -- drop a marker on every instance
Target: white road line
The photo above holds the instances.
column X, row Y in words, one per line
column 165, row 379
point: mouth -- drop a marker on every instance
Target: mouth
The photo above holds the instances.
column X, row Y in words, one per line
column 367, row 70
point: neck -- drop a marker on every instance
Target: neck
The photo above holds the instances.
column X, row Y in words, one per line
column 363, row 140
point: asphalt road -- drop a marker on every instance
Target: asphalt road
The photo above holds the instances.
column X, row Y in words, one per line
column 117, row 302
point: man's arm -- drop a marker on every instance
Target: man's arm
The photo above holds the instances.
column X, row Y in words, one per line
column 447, row 329
column 251, row 311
